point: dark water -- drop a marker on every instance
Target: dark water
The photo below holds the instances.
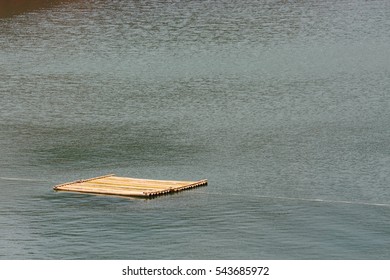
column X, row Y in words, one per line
column 284, row 106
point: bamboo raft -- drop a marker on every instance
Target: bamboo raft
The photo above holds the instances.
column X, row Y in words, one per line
column 123, row 186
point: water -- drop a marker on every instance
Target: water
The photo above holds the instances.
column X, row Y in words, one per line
column 282, row 105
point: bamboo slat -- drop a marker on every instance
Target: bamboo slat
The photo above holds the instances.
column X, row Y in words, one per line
column 125, row 186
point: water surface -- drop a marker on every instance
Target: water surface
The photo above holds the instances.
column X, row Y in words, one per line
column 282, row 105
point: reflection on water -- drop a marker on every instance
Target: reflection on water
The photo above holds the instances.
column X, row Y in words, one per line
column 10, row 8
column 282, row 105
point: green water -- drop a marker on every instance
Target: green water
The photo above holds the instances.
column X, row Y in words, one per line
column 282, row 105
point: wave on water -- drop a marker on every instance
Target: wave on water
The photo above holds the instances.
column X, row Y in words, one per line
column 22, row 179
column 307, row 199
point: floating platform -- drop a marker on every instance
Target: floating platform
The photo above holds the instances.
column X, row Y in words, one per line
column 123, row 186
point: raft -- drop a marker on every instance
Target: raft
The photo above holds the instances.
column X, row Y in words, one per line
column 124, row 186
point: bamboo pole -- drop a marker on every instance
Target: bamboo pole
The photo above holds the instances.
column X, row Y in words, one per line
column 82, row 180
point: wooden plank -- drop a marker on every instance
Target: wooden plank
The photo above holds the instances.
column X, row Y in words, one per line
column 119, row 187
column 142, row 181
column 106, row 192
column 133, row 183
column 110, row 190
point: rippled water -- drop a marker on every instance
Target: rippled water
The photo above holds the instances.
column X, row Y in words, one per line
column 282, row 105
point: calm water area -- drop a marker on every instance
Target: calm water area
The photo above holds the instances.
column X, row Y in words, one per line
column 284, row 106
